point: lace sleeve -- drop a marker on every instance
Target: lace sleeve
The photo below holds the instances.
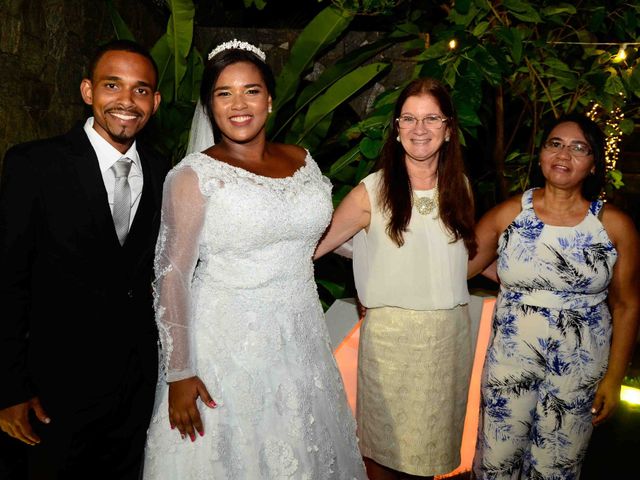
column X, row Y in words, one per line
column 183, row 210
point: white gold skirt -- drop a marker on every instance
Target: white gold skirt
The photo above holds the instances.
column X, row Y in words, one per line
column 413, row 379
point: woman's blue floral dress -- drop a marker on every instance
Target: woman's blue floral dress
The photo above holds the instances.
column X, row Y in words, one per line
column 549, row 347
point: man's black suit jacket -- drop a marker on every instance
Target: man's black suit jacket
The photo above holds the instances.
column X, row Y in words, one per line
column 74, row 303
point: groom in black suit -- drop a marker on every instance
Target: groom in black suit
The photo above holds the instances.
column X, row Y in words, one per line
column 78, row 351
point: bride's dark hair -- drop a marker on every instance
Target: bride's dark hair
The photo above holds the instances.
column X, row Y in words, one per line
column 214, row 67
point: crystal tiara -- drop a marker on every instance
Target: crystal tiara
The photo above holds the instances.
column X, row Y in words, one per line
column 237, row 44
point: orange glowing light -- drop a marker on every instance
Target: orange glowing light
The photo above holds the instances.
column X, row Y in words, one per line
column 346, row 355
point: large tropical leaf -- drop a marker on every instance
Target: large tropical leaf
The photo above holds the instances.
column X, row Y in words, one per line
column 339, row 93
column 121, row 29
column 179, row 36
column 336, row 71
column 316, row 137
column 523, row 11
column 320, row 33
column 559, row 9
column 345, row 160
column 346, row 64
column 373, row 126
column 161, row 53
column 335, row 289
column 189, row 88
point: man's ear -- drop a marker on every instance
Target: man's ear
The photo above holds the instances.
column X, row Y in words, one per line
column 86, row 91
column 157, row 98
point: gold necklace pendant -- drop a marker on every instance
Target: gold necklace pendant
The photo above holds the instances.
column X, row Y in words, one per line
column 425, row 205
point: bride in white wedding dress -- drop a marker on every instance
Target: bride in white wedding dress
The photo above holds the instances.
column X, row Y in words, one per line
column 250, row 387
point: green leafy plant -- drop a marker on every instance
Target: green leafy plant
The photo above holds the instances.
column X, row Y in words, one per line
column 180, row 68
column 259, row 4
column 303, row 112
column 631, row 381
column 532, row 61
column 510, row 66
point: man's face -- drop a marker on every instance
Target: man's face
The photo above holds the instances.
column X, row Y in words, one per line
column 122, row 96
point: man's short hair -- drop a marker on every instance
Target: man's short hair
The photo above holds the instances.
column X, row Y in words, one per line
column 121, row 46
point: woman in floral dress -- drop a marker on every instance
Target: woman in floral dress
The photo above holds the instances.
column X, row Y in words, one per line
column 566, row 318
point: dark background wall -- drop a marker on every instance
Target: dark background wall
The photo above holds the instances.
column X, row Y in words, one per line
column 44, row 47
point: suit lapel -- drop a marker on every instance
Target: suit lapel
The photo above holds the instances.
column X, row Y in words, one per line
column 140, row 242
column 90, row 178
column 151, row 195
column 147, row 216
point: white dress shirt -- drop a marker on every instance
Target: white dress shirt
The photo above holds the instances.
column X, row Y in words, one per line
column 107, row 156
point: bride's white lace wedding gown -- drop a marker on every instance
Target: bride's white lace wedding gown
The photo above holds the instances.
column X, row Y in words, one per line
column 237, row 305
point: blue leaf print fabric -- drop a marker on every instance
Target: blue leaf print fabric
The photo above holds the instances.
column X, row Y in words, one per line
column 549, row 348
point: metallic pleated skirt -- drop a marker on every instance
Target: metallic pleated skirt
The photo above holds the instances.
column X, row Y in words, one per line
column 413, row 379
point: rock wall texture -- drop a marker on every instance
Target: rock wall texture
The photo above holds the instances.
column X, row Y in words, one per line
column 44, row 48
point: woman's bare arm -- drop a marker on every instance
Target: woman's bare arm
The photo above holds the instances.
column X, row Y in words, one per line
column 352, row 215
column 624, row 303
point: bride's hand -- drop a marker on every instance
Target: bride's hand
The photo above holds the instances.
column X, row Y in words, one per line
column 183, row 411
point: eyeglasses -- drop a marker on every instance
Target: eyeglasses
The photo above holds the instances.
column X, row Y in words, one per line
column 431, row 121
column 577, row 149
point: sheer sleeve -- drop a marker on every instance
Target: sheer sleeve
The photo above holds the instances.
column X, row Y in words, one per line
column 177, row 251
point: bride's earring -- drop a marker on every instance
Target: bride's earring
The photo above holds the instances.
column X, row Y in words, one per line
column 398, row 138
column 270, row 109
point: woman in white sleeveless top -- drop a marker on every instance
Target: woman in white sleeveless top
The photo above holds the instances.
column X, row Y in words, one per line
column 413, row 226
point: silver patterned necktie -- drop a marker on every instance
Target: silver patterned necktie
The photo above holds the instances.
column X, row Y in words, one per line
column 122, row 198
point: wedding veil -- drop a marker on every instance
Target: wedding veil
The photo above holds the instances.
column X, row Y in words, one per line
column 201, row 133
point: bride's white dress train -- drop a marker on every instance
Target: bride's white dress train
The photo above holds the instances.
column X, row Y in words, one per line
column 248, row 322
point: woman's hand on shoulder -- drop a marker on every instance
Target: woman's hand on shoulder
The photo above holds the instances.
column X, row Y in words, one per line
column 183, row 410
column 488, row 231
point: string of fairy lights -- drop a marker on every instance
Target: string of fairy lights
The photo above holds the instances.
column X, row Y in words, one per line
column 614, row 133
column 613, row 118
